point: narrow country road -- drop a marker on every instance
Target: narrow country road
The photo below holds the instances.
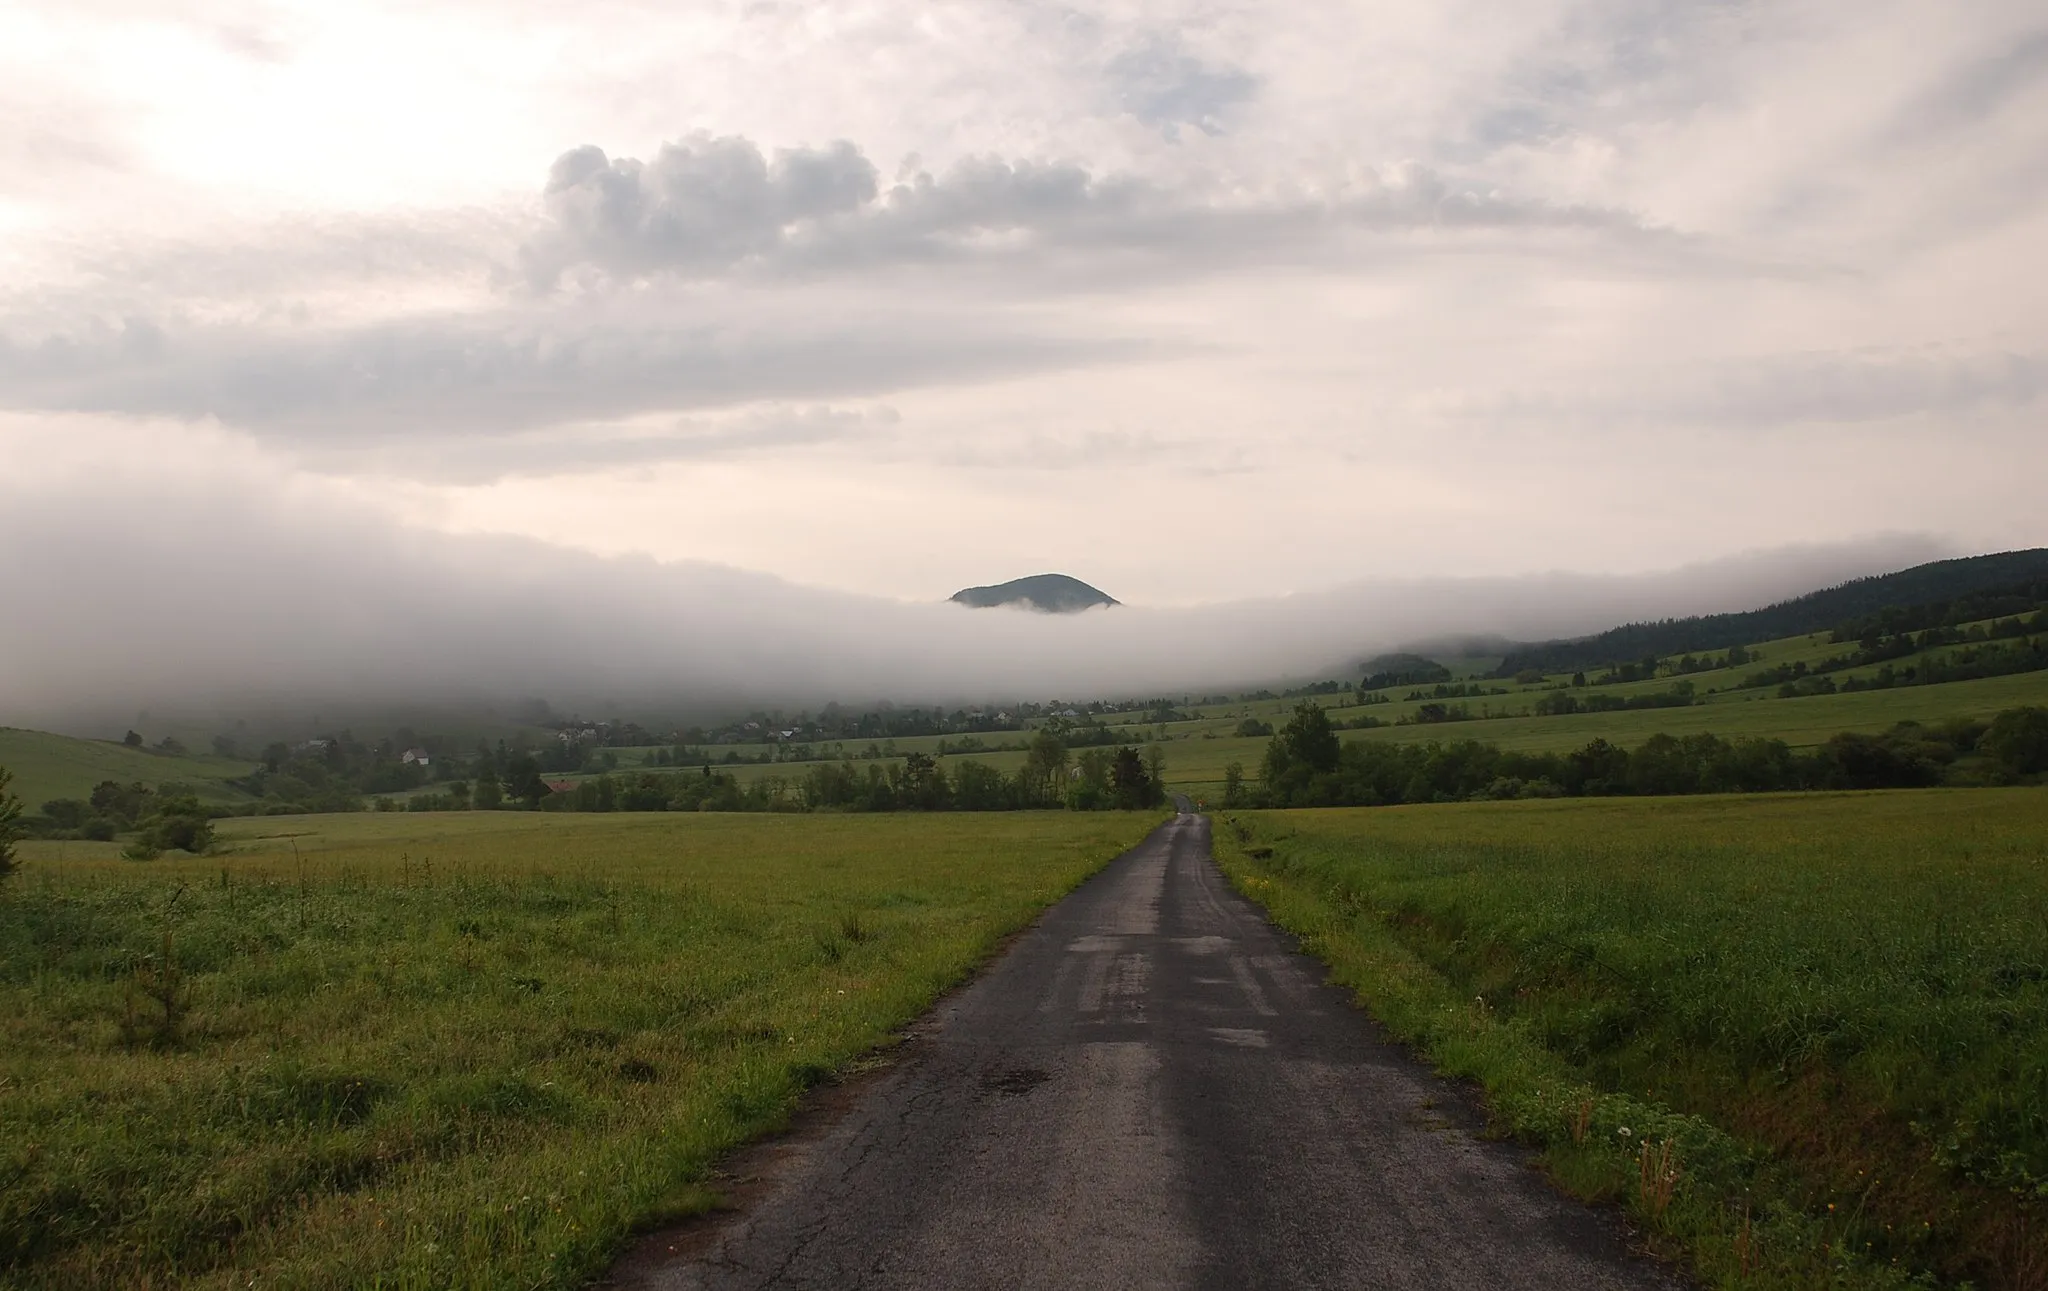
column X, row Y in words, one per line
column 1153, row 1089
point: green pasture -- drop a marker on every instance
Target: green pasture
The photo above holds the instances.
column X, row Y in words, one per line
column 463, row 1049
column 1196, row 753
column 1805, row 1035
column 1201, row 747
column 1197, row 765
column 47, row 766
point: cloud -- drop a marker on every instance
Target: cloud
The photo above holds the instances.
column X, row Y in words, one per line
column 1773, row 393
column 701, row 203
column 708, row 207
column 716, row 275
column 1411, row 280
column 1162, row 84
column 116, row 569
column 51, row 136
column 566, row 450
column 1977, row 89
column 510, row 371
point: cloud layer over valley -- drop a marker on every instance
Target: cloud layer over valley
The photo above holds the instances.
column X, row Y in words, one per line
column 461, row 328
column 260, row 585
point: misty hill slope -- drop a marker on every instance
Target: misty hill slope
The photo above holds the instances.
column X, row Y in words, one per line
column 1815, row 612
column 1050, row 593
column 47, row 766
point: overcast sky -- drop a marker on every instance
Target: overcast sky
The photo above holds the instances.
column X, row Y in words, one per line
column 1198, row 301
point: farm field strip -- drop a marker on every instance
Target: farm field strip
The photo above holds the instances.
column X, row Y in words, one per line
column 462, row 1049
column 1833, row 1005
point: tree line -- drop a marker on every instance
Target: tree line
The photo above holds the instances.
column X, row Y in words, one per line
column 1053, row 776
column 1306, row 765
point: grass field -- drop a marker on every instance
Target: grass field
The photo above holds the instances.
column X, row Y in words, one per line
column 49, row 766
column 1196, row 766
column 459, row 1050
column 1196, row 752
column 1199, row 749
column 1834, row 1008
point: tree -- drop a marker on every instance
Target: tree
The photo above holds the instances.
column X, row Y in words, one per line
column 1045, row 763
column 1155, row 763
column 132, row 739
column 1088, row 789
column 920, row 782
column 1309, row 738
column 523, row 780
column 10, row 813
column 1134, row 788
column 978, row 787
column 123, row 804
column 2018, row 740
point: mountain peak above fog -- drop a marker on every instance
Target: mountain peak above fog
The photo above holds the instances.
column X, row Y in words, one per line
column 1048, row 593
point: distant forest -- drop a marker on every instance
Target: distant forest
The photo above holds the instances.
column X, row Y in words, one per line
column 1975, row 584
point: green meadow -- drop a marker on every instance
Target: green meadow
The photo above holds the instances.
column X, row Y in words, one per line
column 458, row 1050
column 1803, row 1037
column 47, row 766
column 1199, row 747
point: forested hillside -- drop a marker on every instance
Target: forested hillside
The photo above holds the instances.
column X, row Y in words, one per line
column 1822, row 611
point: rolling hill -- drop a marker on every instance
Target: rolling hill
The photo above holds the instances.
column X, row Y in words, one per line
column 47, row 766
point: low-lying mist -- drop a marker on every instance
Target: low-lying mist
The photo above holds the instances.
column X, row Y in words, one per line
column 225, row 588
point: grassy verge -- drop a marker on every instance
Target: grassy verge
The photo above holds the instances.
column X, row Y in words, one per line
column 463, row 1050
column 1802, row 1038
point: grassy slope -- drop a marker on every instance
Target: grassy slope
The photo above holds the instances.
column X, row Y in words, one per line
column 1852, row 984
column 461, row 1049
column 49, row 766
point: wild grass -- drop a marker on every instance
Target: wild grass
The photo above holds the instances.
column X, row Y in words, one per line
column 1804, row 1035
column 459, row 1050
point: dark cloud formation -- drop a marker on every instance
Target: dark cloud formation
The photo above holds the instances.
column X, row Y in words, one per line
column 708, row 207
column 702, row 203
column 345, row 605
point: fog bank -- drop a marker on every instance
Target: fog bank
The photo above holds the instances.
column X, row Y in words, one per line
column 251, row 588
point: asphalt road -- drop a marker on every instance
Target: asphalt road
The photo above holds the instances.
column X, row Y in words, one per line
column 1153, row 1089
